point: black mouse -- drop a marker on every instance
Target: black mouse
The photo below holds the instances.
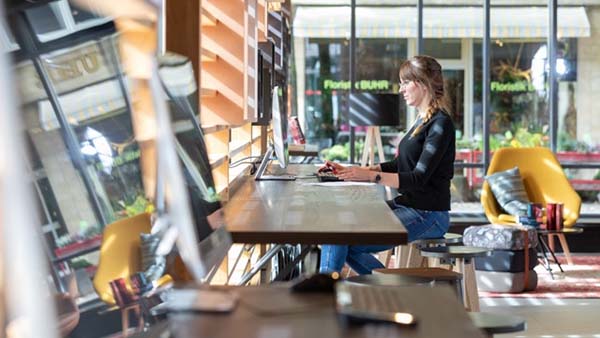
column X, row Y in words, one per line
column 319, row 282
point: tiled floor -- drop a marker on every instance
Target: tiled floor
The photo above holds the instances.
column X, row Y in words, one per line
column 550, row 318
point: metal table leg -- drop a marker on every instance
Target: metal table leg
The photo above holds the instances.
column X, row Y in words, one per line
column 286, row 271
column 264, row 260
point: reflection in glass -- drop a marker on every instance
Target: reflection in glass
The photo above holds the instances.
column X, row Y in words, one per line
column 46, row 19
column 178, row 80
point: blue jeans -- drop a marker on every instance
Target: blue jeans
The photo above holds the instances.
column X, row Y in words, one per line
column 420, row 224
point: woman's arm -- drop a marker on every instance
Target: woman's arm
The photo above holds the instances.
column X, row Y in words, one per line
column 376, row 167
column 369, row 175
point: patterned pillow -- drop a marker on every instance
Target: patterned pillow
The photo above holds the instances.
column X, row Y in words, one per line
column 509, row 191
column 153, row 265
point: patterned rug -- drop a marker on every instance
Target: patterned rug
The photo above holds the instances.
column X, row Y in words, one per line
column 580, row 280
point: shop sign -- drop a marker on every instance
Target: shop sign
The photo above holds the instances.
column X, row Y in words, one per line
column 517, row 86
column 380, row 85
column 69, row 69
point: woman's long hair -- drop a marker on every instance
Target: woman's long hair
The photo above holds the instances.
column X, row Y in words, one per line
column 426, row 71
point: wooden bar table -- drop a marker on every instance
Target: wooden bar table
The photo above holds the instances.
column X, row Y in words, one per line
column 297, row 212
column 274, row 312
column 300, row 212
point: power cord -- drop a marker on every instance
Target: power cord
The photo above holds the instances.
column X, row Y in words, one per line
column 244, row 161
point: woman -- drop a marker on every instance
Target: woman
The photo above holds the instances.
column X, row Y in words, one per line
column 421, row 172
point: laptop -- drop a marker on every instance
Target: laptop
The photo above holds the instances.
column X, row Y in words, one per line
column 363, row 303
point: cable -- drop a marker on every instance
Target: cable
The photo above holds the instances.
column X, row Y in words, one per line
column 238, row 163
column 243, row 159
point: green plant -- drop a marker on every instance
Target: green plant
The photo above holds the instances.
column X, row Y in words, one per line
column 139, row 205
column 521, row 138
column 80, row 263
column 341, row 152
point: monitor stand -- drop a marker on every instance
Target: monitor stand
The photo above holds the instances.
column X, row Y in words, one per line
column 263, row 166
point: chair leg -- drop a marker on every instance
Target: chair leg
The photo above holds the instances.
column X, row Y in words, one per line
column 397, row 256
column 138, row 313
column 551, row 242
column 386, row 257
column 565, row 247
column 411, row 249
column 124, row 321
column 469, row 285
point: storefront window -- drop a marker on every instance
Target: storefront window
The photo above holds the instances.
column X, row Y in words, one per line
column 94, row 179
column 519, row 89
column 329, row 109
column 578, row 67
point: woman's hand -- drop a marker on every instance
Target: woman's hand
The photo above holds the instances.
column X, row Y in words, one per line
column 332, row 166
column 356, row 174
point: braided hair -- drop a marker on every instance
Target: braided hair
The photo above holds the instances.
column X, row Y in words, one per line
column 425, row 70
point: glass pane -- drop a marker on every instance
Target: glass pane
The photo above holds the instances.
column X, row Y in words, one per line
column 61, row 185
column 442, row 48
column 97, row 114
column 465, row 191
column 381, row 46
column 578, row 67
column 448, row 35
column 81, row 15
column 7, row 40
column 46, row 19
column 93, row 104
column 320, row 67
column 519, row 78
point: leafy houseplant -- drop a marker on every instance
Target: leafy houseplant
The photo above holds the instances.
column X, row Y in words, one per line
column 341, row 152
column 139, row 205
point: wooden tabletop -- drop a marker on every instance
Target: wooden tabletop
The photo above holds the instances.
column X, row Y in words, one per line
column 265, row 312
column 297, row 212
column 458, row 251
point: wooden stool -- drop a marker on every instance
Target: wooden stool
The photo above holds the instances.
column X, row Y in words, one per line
column 497, row 323
column 437, row 274
column 449, row 238
column 462, row 256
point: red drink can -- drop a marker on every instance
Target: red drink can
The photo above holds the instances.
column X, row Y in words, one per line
column 116, row 290
column 122, row 295
column 551, row 216
column 558, row 216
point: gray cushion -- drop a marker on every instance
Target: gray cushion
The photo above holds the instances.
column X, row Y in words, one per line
column 153, row 265
column 493, row 281
column 503, row 237
column 509, row 191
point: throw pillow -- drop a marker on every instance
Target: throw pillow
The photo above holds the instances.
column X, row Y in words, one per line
column 153, row 265
column 509, row 191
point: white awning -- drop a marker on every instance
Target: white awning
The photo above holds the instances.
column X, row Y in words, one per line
column 439, row 22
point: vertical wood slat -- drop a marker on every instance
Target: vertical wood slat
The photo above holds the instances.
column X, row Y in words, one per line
column 250, row 58
column 183, row 30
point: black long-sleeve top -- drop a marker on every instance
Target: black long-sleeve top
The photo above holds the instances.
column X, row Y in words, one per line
column 425, row 165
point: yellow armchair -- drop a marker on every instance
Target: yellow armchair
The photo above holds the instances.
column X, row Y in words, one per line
column 120, row 255
column 544, row 180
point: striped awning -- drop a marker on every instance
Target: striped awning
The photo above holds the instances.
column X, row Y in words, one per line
column 439, row 22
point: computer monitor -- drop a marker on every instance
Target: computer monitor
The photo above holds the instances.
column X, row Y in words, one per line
column 264, row 80
column 375, row 109
column 191, row 201
column 278, row 144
